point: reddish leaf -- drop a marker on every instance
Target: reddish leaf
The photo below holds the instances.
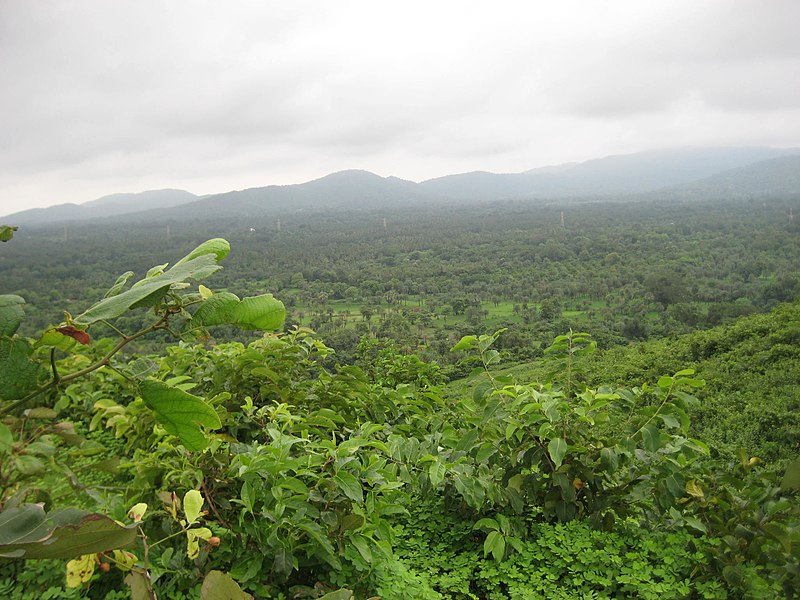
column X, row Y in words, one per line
column 74, row 333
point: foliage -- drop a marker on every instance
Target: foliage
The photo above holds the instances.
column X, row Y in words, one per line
column 304, row 477
column 6, row 232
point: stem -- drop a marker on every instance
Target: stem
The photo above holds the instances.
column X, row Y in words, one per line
column 170, row 536
column 120, row 373
column 56, row 377
column 91, row 368
column 655, row 414
column 111, row 326
column 212, row 505
column 486, row 368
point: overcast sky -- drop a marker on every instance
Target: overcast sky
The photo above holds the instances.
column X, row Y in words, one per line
column 105, row 96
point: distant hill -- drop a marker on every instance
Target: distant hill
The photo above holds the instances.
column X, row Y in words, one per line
column 778, row 176
column 107, row 206
column 345, row 189
column 678, row 174
column 612, row 175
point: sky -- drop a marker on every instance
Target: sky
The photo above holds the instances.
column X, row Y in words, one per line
column 100, row 96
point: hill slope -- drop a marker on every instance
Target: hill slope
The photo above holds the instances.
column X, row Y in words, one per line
column 752, row 373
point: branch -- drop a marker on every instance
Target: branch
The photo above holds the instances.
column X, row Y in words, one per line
column 126, row 339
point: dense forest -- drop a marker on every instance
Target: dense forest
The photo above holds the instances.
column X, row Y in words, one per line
column 424, row 277
column 498, row 401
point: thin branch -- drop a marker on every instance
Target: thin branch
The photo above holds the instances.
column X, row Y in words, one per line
column 100, row 363
column 53, row 367
column 111, row 326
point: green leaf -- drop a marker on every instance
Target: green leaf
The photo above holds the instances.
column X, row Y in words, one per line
column 220, row 586
column 294, row 484
column 323, row 543
column 670, row 420
column 192, row 540
column 695, row 523
column 28, row 532
column 218, row 247
column 350, row 486
column 40, row 412
column 338, row 595
column 137, row 511
column 557, row 448
column 146, row 290
column 651, row 438
column 362, row 545
column 791, row 478
column 192, row 506
column 216, row 310
column 665, row 382
column 6, row 438
column 55, row 339
column 264, row 313
column 283, row 562
column 11, row 314
column 495, row 544
column 182, row 414
column 351, row 522
column 436, row 472
column 140, row 585
column 487, row 523
column 19, row 375
column 609, row 459
column 467, row 440
column 28, row 465
column 7, row 232
column 466, row 343
column 119, row 284
column 779, row 533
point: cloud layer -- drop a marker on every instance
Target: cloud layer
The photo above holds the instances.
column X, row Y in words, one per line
column 102, row 97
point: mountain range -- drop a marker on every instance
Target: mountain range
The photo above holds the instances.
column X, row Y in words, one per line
column 678, row 174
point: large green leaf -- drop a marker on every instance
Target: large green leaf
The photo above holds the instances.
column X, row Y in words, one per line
column 349, row 486
column 436, row 472
column 192, row 506
column 141, row 588
column 19, row 375
column 182, row 414
column 216, row 310
column 28, row 532
column 791, row 478
column 651, row 438
column 495, row 544
column 149, row 290
column 11, row 313
column 216, row 246
column 6, row 232
column 264, row 313
column 220, row 586
column 557, row 448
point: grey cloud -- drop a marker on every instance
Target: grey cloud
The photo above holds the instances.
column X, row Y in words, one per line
column 196, row 94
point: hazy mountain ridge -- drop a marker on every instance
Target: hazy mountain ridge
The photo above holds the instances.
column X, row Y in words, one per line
column 107, row 206
column 621, row 174
column 768, row 177
column 676, row 173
